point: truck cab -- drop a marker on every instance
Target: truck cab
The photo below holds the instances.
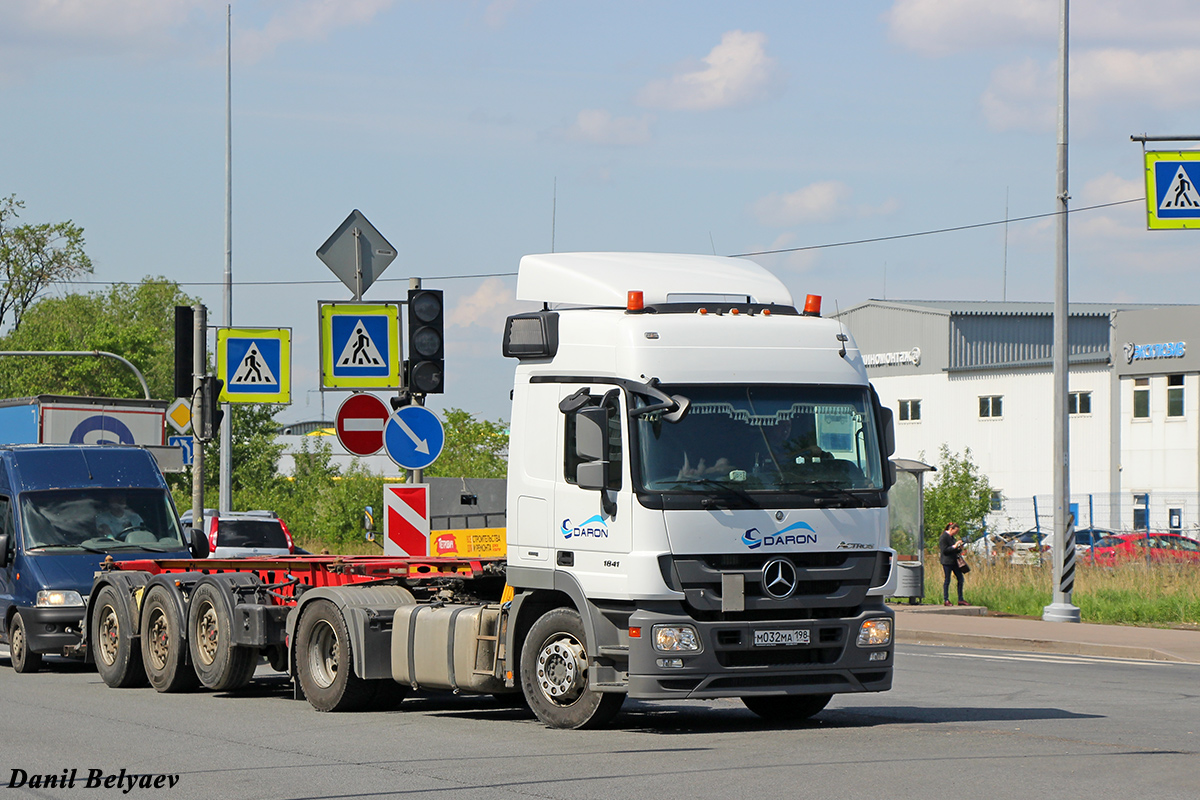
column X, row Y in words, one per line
column 697, row 487
column 65, row 509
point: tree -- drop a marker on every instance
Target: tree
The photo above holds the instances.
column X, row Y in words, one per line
column 959, row 493
column 136, row 322
column 34, row 256
column 473, row 448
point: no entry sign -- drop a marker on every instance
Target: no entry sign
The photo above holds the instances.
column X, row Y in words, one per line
column 360, row 422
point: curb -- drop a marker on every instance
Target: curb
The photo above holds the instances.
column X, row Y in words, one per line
column 986, row 642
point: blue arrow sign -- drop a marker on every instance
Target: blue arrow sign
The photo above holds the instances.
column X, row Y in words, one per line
column 413, row 437
column 185, row 443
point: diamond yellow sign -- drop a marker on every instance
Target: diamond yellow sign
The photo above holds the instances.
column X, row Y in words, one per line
column 179, row 414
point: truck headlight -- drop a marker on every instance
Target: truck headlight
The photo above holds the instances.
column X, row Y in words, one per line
column 875, row 633
column 674, row 638
column 58, row 598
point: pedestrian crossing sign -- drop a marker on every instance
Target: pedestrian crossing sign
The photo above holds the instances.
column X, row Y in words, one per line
column 256, row 364
column 360, row 345
column 1172, row 196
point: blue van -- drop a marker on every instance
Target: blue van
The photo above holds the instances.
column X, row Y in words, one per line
column 64, row 509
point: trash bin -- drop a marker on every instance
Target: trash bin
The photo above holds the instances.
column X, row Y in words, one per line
column 910, row 580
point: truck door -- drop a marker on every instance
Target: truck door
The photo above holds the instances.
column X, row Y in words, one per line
column 9, row 531
column 592, row 525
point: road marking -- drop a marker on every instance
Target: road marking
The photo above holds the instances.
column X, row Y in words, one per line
column 1044, row 658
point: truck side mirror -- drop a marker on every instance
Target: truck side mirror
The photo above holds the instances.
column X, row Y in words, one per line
column 197, row 543
column 5, row 552
column 889, row 430
column 591, row 446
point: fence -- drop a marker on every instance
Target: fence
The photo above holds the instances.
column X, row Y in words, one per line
column 1122, row 512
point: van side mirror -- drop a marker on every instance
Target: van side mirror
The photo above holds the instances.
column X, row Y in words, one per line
column 5, row 551
column 197, row 543
column 591, row 446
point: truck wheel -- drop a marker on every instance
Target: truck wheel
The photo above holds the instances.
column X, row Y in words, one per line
column 118, row 661
column 18, row 647
column 324, row 665
column 788, row 708
column 554, row 674
column 164, row 652
column 220, row 664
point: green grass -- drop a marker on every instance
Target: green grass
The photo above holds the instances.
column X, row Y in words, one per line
column 1162, row 595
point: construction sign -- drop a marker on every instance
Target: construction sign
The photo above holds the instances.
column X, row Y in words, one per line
column 406, row 519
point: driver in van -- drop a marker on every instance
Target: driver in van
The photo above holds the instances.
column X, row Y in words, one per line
column 117, row 516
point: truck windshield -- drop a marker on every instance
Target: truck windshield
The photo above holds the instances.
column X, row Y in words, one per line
column 763, row 438
column 100, row 520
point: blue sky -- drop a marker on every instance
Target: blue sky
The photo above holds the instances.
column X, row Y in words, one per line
column 663, row 126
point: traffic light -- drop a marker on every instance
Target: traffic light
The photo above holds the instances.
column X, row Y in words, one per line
column 210, row 407
column 426, row 342
column 184, row 344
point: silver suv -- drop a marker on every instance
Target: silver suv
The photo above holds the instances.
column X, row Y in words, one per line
column 241, row 534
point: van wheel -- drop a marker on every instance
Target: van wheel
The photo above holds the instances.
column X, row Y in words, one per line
column 164, row 651
column 117, row 660
column 787, row 708
column 554, row 674
column 220, row 664
column 18, row 646
column 324, row 665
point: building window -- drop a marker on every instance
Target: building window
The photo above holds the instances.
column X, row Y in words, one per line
column 1141, row 398
column 910, row 410
column 1174, row 395
column 1141, row 512
column 1079, row 403
column 991, row 406
column 997, row 501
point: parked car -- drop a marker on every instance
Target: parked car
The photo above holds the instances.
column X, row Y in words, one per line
column 1162, row 548
column 241, row 534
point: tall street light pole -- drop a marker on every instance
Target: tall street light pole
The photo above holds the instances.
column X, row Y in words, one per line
column 225, row 492
column 1061, row 609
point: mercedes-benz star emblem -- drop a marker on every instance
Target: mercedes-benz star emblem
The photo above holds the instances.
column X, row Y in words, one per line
column 779, row 578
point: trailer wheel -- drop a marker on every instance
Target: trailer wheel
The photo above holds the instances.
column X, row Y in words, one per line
column 324, row 665
column 118, row 661
column 220, row 664
column 164, row 652
column 788, row 708
column 23, row 660
column 554, row 674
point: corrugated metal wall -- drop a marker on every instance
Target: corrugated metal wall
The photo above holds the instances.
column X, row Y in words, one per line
column 980, row 341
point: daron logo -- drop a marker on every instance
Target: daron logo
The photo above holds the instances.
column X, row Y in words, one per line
column 755, row 539
column 594, row 528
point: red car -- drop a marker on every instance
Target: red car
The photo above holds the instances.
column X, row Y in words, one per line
column 1162, row 547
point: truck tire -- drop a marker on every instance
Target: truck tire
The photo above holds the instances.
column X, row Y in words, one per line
column 554, row 674
column 324, row 665
column 18, row 647
column 219, row 664
column 118, row 660
column 788, row 708
column 164, row 651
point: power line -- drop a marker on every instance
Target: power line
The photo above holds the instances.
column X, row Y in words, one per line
column 937, row 230
column 894, row 237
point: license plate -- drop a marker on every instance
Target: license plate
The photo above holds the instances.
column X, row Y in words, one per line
column 772, row 638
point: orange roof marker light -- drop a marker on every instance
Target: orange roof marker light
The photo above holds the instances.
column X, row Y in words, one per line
column 812, row 305
column 635, row 301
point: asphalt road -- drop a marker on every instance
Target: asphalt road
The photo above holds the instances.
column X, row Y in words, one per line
column 959, row 724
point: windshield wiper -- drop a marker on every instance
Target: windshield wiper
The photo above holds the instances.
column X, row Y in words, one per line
column 830, row 488
column 723, row 488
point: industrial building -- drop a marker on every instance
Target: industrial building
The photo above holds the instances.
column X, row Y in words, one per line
column 978, row 375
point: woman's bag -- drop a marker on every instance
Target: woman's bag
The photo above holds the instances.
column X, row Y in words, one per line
column 963, row 566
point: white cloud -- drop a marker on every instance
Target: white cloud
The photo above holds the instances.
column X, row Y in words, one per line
column 487, row 307
column 305, row 21
column 1024, row 95
column 818, row 202
column 1110, row 188
column 736, row 72
column 125, row 27
column 942, row 27
column 597, row 126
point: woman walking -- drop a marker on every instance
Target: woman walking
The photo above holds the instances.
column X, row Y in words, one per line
column 951, row 549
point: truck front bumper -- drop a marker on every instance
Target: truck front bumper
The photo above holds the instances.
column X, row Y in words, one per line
column 53, row 631
column 728, row 663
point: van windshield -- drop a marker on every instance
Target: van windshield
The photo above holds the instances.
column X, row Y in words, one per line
column 100, row 520
column 763, row 438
